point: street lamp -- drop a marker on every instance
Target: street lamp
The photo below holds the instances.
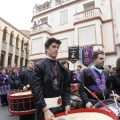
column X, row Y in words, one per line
column 25, row 46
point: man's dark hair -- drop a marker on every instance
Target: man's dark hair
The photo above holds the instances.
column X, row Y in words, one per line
column 118, row 66
column 50, row 41
column 95, row 55
column 79, row 66
column 29, row 61
column 109, row 66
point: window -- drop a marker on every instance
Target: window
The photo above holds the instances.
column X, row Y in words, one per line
column 44, row 20
column 64, row 45
column 4, row 34
column 2, row 59
column 89, row 6
column 9, row 59
column 16, row 60
column 17, row 41
column 22, row 44
column 37, row 45
column 11, row 38
column 21, row 62
column 64, row 17
column 87, row 35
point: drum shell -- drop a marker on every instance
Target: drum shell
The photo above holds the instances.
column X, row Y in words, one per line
column 21, row 105
column 87, row 110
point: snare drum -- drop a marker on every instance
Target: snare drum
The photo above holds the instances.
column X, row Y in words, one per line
column 75, row 102
column 74, row 87
column 21, row 103
column 110, row 103
column 86, row 114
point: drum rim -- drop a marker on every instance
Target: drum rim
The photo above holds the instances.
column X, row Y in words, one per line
column 20, row 96
column 112, row 115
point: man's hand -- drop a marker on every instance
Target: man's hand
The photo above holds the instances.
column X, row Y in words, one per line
column 48, row 115
column 67, row 108
column 24, row 88
column 115, row 96
column 89, row 105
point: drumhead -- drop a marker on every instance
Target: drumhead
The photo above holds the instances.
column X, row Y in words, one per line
column 21, row 93
column 111, row 105
column 87, row 114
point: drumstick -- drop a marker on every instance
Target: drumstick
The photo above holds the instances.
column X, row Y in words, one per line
column 115, row 100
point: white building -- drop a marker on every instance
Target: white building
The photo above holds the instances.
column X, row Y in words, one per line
column 75, row 22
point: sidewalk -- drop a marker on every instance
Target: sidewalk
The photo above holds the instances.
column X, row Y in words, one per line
column 4, row 114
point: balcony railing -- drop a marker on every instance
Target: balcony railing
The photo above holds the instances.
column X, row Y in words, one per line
column 17, row 51
column 11, row 49
column 41, row 28
column 22, row 54
column 89, row 14
column 42, row 7
column 4, row 46
column 58, row 2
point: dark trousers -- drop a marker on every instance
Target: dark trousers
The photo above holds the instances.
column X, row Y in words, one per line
column 4, row 99
column 27, row 117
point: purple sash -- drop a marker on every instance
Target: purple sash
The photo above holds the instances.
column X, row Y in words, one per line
column 101, row 86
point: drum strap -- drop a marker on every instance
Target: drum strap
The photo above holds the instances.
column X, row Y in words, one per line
column 100, row 82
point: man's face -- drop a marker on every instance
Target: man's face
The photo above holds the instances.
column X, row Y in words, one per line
column 99, row 62
column 107, row 69
column 78, row 69
column 52, row 51
column 31, row 65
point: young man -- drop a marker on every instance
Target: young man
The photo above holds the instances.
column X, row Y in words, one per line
column 96, row 80
column 50, row 84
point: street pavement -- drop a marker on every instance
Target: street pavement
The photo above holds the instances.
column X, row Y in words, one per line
column 4, row 114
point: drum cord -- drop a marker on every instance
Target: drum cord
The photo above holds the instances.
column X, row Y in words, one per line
column 116, row 103
column 95, row 96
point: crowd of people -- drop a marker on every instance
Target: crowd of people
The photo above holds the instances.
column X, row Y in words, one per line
column 50, row 82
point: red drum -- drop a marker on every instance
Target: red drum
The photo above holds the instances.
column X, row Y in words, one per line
column 74, row 87
column 86, row 114
column 21, row 103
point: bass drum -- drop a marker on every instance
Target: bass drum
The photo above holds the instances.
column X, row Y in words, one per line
column 111, row 104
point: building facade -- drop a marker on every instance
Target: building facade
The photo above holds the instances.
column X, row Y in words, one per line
column 74, row 22
column 12, row 40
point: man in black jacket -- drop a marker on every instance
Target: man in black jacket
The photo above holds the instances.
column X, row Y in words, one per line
column 50, row 84
column 25, row 79
column 96, row 80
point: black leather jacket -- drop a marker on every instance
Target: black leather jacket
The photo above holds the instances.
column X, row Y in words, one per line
column 43, row 87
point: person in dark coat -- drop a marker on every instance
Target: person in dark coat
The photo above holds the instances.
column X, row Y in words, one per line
column 115, row 78
column 50, row 84
column 25, row 77
column 96, row 80
column 13, row 79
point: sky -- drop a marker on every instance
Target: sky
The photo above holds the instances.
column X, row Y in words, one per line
column 18, row 12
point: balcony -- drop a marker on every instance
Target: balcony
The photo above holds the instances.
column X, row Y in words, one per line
column 11, row 49
column 22, row 54
column 58, row 2
column 43, row 7
column 17, row 51
column 4, row 46
column 41, row 28
column 87, row 15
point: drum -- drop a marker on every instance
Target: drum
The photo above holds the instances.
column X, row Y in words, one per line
column 111, row 104
column 75, row 102
column 86, row 114
column 74, row 87
column 21, row 103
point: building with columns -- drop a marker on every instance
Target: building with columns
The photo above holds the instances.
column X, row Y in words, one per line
column 75, row 22
column 12, row 42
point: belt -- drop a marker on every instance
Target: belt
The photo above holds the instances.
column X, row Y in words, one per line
column 53, row 102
